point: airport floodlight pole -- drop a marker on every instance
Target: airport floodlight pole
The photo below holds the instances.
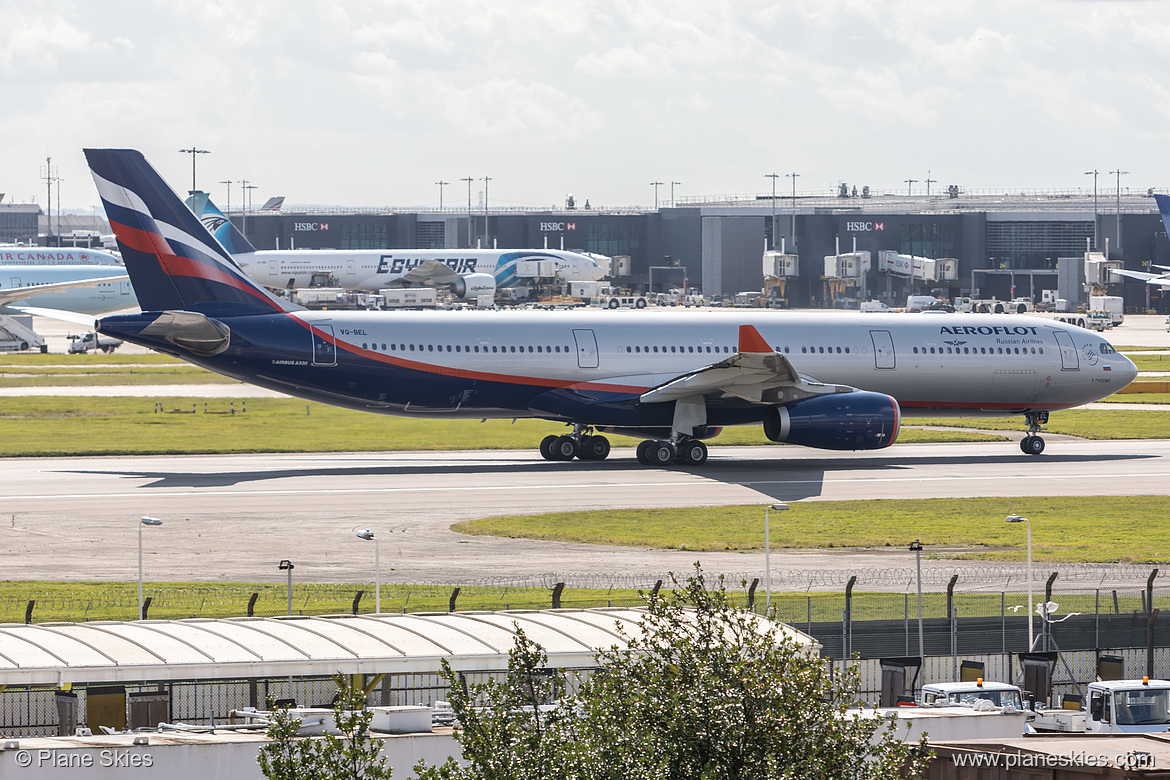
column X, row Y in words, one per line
column 1028, row 523
column 441, row 184
column 227, row 207
column 916, row 548
column 1094, row 173
column 193, row 152
column 142, row 522
column 655, row 185
column 246, row 188
column 1119, row 173
column 287, row 565
column 486, row 226
column 368, row 535
column 767, row 556
column 773, row 177
column 909, row 186
column 469, row 180
column 793, row 176
column 679, row 183
column 929, row 181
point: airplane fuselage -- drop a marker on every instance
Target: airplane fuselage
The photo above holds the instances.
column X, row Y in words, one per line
column 592, row 366
column 375, row 269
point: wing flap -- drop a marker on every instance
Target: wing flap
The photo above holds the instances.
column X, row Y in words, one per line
column 752, row 374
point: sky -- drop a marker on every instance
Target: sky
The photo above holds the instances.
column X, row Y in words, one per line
column 371, row 102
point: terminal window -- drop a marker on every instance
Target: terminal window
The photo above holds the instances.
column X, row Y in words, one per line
column 1035, row 244
column 928, row 239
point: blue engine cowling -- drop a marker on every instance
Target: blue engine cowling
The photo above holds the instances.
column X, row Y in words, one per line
column 841, row 421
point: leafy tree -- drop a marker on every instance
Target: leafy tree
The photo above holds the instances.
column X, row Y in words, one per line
column 350, row 755
column 703, row 691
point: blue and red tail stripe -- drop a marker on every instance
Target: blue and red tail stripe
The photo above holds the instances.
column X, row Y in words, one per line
column 173, row 261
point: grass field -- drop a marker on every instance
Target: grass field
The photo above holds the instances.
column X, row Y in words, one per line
column 1071, row 529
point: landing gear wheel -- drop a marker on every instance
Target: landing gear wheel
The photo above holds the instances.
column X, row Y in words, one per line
column 643, row 447
column 1032, row 445
column 546, row 445
column 693, row 453
column 593, row 448
column 564, row 448
column 660, row 453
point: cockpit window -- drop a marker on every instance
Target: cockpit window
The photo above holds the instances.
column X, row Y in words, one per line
column 1106, row 348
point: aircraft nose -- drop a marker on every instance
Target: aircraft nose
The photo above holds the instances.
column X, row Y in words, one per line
column 1128, row 370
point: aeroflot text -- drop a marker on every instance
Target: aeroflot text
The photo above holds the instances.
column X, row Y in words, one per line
column 989, row 330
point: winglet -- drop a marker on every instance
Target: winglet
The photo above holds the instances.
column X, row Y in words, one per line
column 750, row 340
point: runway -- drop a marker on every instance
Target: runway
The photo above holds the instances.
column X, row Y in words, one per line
column 233, row 517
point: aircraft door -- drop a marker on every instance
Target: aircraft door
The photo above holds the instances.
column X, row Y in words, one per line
column 1069, row 359
column 324, row 345
column 586, row 348
column 883, row 348
column 349, row 268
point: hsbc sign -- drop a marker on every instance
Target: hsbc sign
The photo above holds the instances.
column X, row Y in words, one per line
column 310, row 227
column 556, row 227
column 864, row 227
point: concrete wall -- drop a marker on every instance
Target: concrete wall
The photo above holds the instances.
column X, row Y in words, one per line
column 732, row 252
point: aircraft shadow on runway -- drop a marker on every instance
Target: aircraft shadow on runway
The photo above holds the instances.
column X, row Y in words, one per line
column 782, row 479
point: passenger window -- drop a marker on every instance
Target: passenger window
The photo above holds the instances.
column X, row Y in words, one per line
column 672, row 349
column 448, row 347
column 456, row 347
column 513, row 347
column 538, row 349
column 786, row 350
column 364, row 345
column 846, row 350
column 412, row 347
column 804, row 349
column 430, row 347
column 708, row 349
column 1041, row 350
column 690, row 349
column 822, row 350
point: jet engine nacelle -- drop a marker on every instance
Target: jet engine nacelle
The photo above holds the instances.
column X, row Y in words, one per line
column 474, row 285
column 841, row 421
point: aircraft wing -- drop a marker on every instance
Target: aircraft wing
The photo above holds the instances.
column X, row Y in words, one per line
column 14, row 294
column 756, row 373
column 428, row 273
column 88, row 320
column 1160, row 280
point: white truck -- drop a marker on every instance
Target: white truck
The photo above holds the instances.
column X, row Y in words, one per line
column 1114, row 304
column 1115, row 707
column 619, row 301
column 83, row 344
column 970, row 694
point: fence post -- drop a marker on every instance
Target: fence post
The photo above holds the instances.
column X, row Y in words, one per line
column 357, row 597
column 1047, row 598
column 906, row 619
column 752, row 593
column 1150, row 590
column 1097, row 619
column 1150, row 643
column 146, row 606
column 847, row 624
column 953, row 626
column 451, row 603
column 29, row 610
column 655, row 589
column 252, row 605
column 1003, row 617
column 558, row 589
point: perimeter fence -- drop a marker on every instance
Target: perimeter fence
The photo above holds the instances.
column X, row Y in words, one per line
column 868, row 614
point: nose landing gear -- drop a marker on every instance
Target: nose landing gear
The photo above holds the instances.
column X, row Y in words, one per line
column 1033, row 444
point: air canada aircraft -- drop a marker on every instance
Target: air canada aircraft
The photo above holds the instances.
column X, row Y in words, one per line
column 467, row 273
column 834, row 380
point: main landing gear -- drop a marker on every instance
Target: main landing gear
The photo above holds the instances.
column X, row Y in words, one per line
column 691, row 452
column 1032, row 444
column 578, row 444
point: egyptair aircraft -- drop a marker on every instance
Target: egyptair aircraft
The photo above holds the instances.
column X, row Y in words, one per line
column 831, row 380
column 467, row 273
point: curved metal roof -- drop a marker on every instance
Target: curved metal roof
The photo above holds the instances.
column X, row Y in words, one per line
column 194, row 649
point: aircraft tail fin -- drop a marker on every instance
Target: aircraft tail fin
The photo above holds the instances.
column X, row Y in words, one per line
column 218, row 224
column 1164, row 207
column 173, row 261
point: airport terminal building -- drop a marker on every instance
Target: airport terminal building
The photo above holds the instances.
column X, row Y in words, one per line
column 1004, row 245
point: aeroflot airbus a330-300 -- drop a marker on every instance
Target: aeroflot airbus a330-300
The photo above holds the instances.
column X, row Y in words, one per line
column 839, row 381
